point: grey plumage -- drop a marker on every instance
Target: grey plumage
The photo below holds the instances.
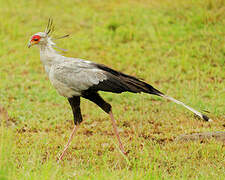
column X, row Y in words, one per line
column 75, row 74
column 74, row 78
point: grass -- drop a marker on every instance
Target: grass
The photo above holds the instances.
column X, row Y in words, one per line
column 177, row 46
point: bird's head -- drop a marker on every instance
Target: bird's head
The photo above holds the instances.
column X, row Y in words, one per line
column 42, row 38
column 39, row 38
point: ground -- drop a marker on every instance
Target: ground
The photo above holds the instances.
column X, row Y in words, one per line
column 177, row 46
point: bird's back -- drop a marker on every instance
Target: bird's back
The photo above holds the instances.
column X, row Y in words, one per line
column 73, row 76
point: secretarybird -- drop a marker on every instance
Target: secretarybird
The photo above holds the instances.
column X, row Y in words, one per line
column 74, row 78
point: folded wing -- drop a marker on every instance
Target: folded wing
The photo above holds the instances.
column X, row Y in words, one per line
column 87, row 76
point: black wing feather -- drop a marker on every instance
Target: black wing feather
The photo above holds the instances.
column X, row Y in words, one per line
column 118, row 82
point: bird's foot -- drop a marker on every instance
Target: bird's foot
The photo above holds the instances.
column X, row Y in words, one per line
column 125, row 152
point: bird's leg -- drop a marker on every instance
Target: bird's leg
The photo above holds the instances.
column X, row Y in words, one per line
column 69, row 141
column 116, row 132
column 97, row 99
column 75, row 105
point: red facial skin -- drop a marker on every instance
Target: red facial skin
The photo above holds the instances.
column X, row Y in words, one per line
column 35, row 39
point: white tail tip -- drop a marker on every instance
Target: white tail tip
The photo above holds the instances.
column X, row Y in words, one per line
column 204, row 117
column 210, row 120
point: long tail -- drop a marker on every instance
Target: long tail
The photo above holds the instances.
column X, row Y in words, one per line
column 204, row 117
column 147, row 88
column 139, row 86
column 119, row 82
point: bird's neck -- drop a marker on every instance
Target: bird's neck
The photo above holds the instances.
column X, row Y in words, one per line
column 47, row 52
column 49, row 56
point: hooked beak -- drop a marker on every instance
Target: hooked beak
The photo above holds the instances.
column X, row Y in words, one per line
column 31, row 43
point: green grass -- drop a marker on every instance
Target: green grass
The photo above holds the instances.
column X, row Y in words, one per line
column 177, row 46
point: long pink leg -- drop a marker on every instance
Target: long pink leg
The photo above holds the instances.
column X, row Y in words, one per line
column 117, row 133
column 68, row 143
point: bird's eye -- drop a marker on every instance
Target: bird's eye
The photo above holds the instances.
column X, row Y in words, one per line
column 36, row 38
